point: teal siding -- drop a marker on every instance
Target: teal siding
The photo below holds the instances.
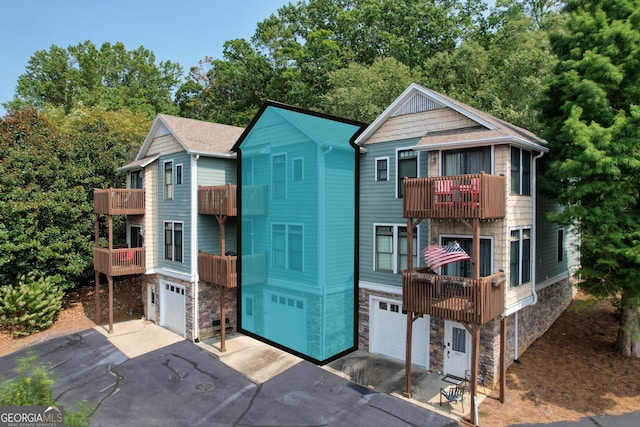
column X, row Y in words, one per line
column 379, row 205
column 547, row 264
column 178, row 209
column 216, row 171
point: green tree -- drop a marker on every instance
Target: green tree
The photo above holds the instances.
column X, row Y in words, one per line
column 361, row 92
column 592, row 113
column 111, row 77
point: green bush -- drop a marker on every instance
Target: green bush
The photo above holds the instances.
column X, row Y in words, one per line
column 29, row 306
column 33, row 387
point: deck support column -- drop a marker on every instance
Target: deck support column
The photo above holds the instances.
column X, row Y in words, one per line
column 223, row 321
column 407, row 357
column 110, row 280
column 98, row 307
column 473, row 381
column 503, row 358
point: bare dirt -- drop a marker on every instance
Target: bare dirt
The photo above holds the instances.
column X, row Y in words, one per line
column 569, row 373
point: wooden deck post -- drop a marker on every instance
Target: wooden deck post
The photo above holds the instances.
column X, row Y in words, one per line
column 407, row 357
column 475, row 353
column 223, row 322
column 110, row 280
column 503, row 358
column 98, row 307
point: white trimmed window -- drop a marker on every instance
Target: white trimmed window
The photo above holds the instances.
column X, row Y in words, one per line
column 390, row 248
column 407, row 167
column 287, row 246
column 520, row 256
column 173, row 241
column 168, row 180
column 520, row 171
column 279, row 176
column 382, row 169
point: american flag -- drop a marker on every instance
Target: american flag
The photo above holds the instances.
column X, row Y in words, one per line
column 438, row 255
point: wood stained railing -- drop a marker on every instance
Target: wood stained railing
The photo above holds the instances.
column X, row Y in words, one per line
column 479, row 196
column 461, row 299
column 217, row 200
column 119, row 262
column 118, row 201
column 219, row 270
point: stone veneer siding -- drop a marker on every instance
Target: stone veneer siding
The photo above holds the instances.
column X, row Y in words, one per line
column 533, row 322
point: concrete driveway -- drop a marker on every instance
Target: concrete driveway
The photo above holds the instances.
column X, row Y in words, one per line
column 127, row 380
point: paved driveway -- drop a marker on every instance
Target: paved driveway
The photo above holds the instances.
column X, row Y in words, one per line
column 184, row 385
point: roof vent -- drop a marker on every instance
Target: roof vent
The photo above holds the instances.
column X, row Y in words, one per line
column 418, row 103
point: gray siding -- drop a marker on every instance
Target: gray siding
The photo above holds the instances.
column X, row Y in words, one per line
column 378, row 204
column 177, row 209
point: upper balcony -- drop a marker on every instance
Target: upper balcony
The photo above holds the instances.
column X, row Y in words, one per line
column 478, row 196
column 222, row 270
column 217, row 200
column 118, row 201
column 119, row 262
column 461, row 299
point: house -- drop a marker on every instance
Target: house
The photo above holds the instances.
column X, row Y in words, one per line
column 181, row 224
column 435, row 171
column 298, row 243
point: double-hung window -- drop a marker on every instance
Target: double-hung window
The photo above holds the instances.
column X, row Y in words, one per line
column 287, row 246
column 407, row 168
column 279, row 176
column 136, row 179
column 173, row 241
column 520, row 171
column 520, row 256
column 168, row 180
column 390, row 248
column 382, row 169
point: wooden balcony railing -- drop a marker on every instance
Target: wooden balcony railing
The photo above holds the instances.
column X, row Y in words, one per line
column 461, row 299
column 217, row 200
column 218, row 269
column 254, row 200
column 254, row 269
column 119, row 262
column 118, row 201
column 479, row 196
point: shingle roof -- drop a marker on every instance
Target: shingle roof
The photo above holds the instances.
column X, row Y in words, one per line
column 199, row 137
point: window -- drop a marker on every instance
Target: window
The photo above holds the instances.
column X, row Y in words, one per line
column 298, row 164
column 287, row 246
column 520, row 171
column 178, row 174
column 391, row 248
column 136, row 179
column 465, row 268
column 279, row 176
column 560, row 247
column 462, row 162
column 407, row 168
column 520, row 256
column 382, row 169
column 136, row 236
column 168, row 180
column 173, row 241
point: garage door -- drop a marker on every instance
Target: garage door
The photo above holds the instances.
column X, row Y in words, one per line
column 172, row 305
column 388, row 332
column 286, row 321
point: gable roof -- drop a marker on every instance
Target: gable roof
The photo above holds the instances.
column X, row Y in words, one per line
column 195, row 136
column 489, row 129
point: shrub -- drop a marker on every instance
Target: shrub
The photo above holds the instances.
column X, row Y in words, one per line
column 34, row 387
column 29, row 306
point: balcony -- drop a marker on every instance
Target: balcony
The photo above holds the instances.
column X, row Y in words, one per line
column 219, row 270
column 118, row 201
column 217, row 200
column 119, row 262
column 461, row 299
column 478, row 196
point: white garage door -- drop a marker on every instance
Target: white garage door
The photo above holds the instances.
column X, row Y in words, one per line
column 172, row 303
column 286, row 321
column 388, row 336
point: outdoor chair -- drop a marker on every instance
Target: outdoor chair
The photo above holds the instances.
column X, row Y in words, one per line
column 453, row 395
column 481, row 377
column 444, row 193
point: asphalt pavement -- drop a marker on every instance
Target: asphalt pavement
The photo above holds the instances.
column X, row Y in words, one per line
column 183, row 384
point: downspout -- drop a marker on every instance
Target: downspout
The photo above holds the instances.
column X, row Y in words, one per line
column 194, row 244
column 533, row 253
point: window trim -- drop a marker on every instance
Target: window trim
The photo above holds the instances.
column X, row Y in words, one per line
column 179, row 171
column 375, row 169
column 520, row 171
column 284, row 179
column 287, row 253
column 395, row 245
column 293, row 169
column 417, row 157
column 173, row 241
column 167, row 188
column 519, row 282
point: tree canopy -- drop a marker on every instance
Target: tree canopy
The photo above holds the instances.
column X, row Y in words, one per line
column 592, row 114
column 111, row 77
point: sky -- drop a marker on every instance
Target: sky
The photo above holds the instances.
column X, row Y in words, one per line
column 180, row 31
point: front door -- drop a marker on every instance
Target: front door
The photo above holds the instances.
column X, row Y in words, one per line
column 151, row 302
column 457, row 349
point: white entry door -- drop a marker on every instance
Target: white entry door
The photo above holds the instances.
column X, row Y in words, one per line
column 151, row 302
column 457, row 349
column 388, row 336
